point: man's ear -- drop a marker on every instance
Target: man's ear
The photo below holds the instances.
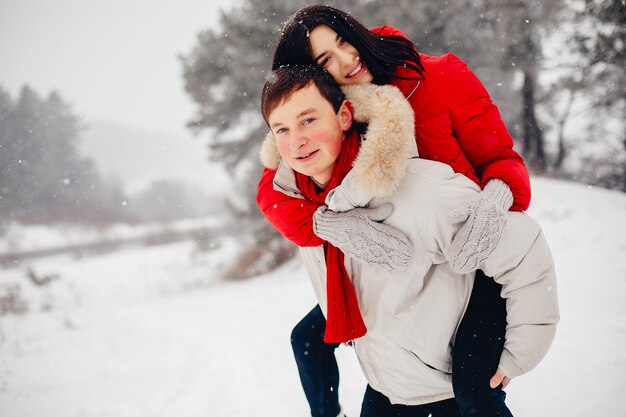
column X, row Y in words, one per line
column 345, row 115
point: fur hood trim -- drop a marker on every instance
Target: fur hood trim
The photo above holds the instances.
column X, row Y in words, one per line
column 387, row 145
column 270, row 158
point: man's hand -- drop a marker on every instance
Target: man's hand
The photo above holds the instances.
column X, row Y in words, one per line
column 499, row 378
column 485, row 218
column 359, row 233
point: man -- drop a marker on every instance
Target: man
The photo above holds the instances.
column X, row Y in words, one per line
column 403, row 322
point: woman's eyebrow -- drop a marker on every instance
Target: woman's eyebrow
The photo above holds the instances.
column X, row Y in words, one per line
column 317, row 58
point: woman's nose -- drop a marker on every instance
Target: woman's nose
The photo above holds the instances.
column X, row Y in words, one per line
column 346, row 58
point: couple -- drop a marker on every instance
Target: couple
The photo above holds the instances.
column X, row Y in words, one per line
column 429, row 339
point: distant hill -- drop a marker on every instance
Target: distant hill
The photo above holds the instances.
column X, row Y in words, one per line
column 137, row 157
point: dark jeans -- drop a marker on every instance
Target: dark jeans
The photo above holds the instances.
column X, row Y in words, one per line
column 376, row 404
column 317, row 365
column 478, row 345
column 477, row 348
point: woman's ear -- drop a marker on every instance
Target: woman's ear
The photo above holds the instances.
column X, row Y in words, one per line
column 345, row 115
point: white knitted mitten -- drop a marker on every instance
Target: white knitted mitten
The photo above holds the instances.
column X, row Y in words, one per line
column 358, row 233
column 485, row 218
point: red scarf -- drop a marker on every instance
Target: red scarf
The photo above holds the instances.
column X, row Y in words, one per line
column 343, row 317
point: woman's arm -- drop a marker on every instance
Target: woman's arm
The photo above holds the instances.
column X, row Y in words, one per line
column 480, row 130
column 521, row 263
column 482, row 135
column 292, row 217
column 357, row 232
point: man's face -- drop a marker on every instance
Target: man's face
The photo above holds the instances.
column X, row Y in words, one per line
column 309, row 133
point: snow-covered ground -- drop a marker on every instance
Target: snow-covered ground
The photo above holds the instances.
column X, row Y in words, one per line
column 151, row 332
column 19, row 238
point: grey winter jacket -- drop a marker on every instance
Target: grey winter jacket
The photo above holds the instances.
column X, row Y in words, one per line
column 412, row 315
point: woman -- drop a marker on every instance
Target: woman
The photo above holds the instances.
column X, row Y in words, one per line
column 455, row 123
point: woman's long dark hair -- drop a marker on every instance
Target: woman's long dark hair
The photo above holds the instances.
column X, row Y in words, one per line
column 381, row 54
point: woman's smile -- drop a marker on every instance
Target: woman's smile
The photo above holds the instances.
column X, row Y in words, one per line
column 358, row 70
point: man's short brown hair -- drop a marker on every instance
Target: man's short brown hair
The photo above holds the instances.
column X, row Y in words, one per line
column 285, row 81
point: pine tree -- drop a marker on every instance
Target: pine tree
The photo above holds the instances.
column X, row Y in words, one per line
column 43, row 177
column 603, row 46
column 523, row 25
column 22, row 150
column 223, row 75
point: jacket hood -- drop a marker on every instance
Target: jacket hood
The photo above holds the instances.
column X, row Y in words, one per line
column 386, row 146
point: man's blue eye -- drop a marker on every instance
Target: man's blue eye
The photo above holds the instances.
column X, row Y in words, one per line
column 309, row 121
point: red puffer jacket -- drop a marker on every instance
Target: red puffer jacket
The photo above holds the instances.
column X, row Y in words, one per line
column 455, row 123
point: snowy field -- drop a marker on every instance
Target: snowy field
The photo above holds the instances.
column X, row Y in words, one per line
column 149, row 332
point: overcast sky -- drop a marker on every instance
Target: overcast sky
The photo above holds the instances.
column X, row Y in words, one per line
column 113, row 60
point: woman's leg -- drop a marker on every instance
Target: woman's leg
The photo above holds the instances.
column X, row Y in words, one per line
column 376, row 404
column 317, row 365
column 477, row 349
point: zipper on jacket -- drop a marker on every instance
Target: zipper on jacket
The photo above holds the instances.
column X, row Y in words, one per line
column 414, row 88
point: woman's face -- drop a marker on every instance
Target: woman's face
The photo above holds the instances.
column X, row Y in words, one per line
column 338, row 57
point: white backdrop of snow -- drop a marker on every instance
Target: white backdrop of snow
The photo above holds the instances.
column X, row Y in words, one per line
column 151, row 332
